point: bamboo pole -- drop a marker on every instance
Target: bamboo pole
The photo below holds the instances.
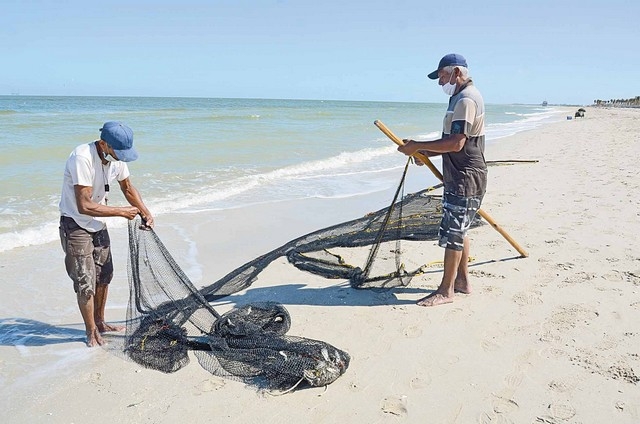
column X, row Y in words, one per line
column 425, row 159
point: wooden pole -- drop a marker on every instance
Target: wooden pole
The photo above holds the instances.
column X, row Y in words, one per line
column 425, row 159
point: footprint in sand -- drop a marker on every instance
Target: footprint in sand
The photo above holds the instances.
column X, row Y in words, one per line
column 412, row 331
column 552, row 352
column 209, row 385
column 453, row 359
column 554, row 241
column 455, row 312
column 563, row 385
column 608, row 342
column 491, row 340
column 504, row 406
column 420, row 382
column 441, row 366
column 493, row 418
column 528, row 298
column 490, row 345
column 514, row 380
column 565, row 266
column 496, row 291
column 612, row 276
column 570, row 316
column 633, row 276
column 395, row 405
column 578, row 278
column 549, row 336
column 480, row 273
column 562, row 411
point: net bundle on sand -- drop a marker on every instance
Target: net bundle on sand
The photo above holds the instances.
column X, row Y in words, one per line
column 167, row 317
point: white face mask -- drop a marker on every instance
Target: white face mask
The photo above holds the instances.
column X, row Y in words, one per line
column 449, row 88
column 108, row 157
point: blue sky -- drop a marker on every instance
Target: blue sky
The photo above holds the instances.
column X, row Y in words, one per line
column 518, row 51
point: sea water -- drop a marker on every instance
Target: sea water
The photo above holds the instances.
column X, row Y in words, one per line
column 211, row 154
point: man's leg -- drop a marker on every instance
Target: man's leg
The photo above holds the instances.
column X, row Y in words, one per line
column 462, row 284
column 445, row 292
column 104, row 274
column 458, row 213
column 77, row 244
column 86, row 305
column 99, row 304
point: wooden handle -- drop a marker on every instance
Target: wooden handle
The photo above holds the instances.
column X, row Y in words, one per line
column 425, row 159
column 418, row 155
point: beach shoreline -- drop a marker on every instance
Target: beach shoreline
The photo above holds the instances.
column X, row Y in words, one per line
column 548, row 338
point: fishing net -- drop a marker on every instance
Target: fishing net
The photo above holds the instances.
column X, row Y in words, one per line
column 168, row 317
column 415, row 217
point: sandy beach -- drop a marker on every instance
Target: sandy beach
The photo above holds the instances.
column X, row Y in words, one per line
column 552, row 338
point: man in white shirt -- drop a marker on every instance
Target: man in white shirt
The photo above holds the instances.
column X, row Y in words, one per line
column 85, row 240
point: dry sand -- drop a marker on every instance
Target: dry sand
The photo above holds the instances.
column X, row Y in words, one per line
column 552, row 338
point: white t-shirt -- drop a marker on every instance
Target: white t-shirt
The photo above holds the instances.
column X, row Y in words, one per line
column 85, row 168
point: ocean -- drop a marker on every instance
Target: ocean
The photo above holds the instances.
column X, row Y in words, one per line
column 200, row 154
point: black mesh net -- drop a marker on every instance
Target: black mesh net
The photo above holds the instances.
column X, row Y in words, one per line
column 168, row 317
column 415, row 217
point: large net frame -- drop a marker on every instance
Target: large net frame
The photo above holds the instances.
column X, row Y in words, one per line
column 414, row 217
column 168, row 317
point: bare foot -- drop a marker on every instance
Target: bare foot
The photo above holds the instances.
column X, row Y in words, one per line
column 462, row 287
column 94, row 338
column 435, row 299
column 103, row 327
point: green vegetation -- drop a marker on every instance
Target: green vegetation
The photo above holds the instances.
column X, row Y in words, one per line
column 632, row 102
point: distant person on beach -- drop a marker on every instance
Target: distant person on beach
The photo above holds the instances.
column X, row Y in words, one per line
column 464, row 170
column 85, row 240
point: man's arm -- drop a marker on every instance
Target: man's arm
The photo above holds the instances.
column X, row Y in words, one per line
column 450, row 143
column 133, row 197
column 87, row 206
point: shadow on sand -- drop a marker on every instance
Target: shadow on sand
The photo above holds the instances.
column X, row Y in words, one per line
column 340, row 293
column 28, row 332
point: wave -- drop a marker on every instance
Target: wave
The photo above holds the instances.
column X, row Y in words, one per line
column 345, row 165
column 215, row 117
column 43, row 234
column 528, row 122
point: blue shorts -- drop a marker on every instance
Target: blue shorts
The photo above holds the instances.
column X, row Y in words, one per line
column 458, row 214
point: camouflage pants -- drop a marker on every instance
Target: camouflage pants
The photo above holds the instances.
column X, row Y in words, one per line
column 87, row 256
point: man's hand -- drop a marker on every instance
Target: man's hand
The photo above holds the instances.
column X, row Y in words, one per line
column 147, row 220
column 129, row 212
column 409, row 147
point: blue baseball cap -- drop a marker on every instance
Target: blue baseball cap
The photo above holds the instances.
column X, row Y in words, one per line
column 120, row 138
column 452, row 59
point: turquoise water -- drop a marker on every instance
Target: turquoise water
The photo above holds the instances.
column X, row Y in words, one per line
column 201, row 154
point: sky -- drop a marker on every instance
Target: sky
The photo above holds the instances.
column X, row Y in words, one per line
column 564, row 52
